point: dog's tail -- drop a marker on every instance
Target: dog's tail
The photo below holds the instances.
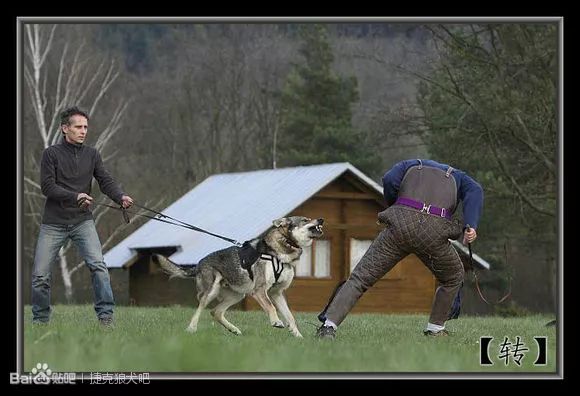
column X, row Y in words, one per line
column 172, row 269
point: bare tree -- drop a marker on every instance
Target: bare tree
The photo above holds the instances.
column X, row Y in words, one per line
column 58, row 75
column 218, row 106
column 507, row 99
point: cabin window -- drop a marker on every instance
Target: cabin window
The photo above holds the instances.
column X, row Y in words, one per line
column 358, row 248
column 315, row 260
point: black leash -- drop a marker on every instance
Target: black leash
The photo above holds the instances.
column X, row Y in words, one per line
column 186, row 225
column 179, row 223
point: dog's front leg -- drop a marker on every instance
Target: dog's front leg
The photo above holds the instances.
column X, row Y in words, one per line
column 282, row 306
column 262, row 298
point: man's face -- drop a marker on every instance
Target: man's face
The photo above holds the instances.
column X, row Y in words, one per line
column 76, row 130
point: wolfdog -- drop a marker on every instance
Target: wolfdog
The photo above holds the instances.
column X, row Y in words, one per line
column 263, row 267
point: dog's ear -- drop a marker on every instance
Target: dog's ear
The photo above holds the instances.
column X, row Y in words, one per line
column 281, row 222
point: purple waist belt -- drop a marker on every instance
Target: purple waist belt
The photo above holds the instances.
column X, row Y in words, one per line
column 423, row 207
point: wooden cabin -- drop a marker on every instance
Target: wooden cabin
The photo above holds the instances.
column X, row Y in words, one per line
column 348, row 201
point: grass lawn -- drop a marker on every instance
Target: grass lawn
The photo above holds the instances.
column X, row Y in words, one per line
column 154, row 340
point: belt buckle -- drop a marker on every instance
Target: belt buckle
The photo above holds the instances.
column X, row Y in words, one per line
column 426, row 208
column 443, row 212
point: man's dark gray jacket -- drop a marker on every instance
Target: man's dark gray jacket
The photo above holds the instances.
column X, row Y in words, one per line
column 66, row 170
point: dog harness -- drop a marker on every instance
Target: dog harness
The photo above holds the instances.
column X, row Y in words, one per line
column 249, row 255
column 277, row 266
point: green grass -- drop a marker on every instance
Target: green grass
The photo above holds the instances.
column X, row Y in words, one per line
column 155, row 340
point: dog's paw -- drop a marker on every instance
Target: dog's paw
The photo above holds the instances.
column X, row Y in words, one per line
column 191, row 329
column 296, row 333
column 278, row 324
column 235, row 330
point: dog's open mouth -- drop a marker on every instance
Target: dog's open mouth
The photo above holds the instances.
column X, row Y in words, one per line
column 316, row 230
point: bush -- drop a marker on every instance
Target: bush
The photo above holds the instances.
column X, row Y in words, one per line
column 513, row 309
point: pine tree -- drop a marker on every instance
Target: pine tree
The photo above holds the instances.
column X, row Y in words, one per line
column 316, row 109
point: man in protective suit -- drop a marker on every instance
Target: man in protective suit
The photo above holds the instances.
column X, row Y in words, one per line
column 422, row 195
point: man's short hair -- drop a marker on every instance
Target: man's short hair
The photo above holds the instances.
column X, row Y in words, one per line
column 68, row 113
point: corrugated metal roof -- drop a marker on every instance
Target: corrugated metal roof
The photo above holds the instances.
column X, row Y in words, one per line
column 240, row 206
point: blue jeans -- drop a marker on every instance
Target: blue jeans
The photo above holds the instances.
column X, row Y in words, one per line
column 50, row 239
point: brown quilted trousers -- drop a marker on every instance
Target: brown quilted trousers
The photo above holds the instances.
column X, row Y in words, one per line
column 407, row 231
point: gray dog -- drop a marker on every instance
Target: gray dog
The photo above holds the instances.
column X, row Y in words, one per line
column 263, row 267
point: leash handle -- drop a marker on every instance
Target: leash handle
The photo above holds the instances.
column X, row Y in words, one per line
column 125, row 215
column 467, row 227
column 81, row 201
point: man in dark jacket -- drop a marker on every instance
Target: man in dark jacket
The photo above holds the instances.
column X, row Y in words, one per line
column 422, row 195
column 66, row 173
